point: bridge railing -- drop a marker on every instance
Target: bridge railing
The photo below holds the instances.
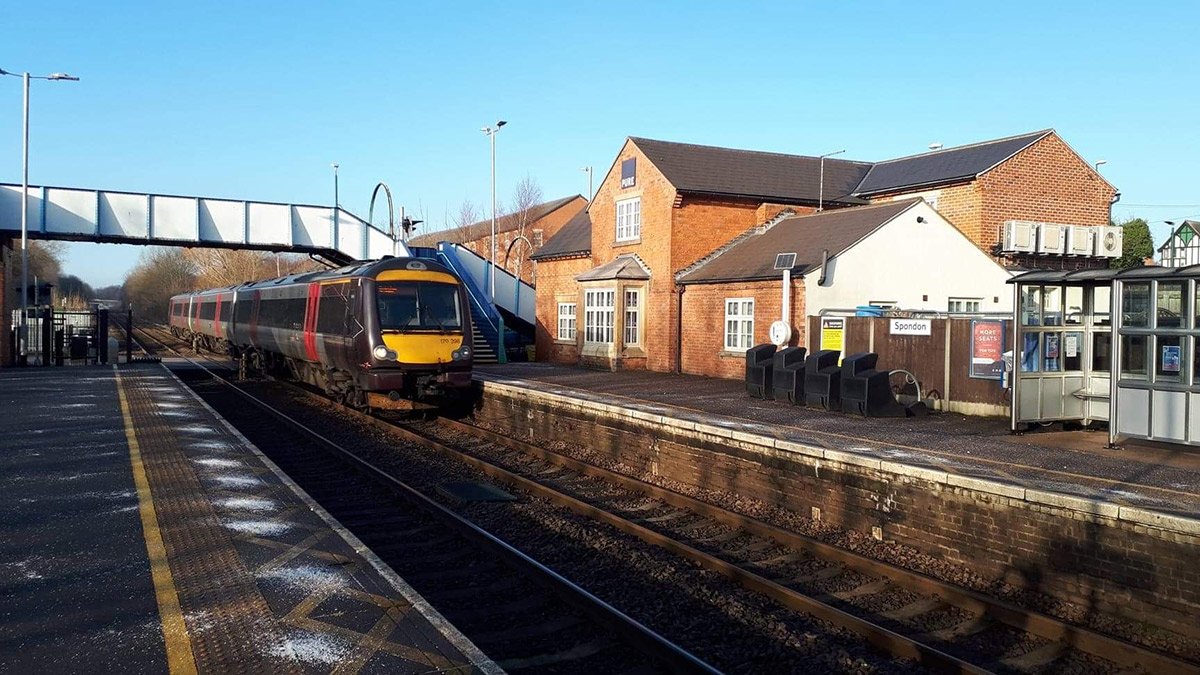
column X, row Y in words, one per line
column 128, row 217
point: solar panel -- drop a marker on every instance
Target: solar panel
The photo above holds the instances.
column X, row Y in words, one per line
column 785, row 261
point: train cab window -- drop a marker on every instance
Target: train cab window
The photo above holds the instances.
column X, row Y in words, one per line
column 418, row 305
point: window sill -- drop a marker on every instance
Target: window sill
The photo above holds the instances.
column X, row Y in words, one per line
column 634, row 352
column 564, row 342
column 627, row 242
column 725, row 354
column 603, row 349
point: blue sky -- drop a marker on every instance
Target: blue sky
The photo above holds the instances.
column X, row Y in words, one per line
column 255, row 101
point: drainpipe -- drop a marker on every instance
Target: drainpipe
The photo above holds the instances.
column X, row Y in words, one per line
column 679, row 330
column 824, row 267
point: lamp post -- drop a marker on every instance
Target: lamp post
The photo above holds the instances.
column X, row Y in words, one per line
column 23, row 334
column 821, row 186
column 491, row 132
column 588, row 171
column 335, row 166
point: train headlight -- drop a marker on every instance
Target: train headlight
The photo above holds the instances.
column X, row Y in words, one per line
column 461, row 354
column 383, row 353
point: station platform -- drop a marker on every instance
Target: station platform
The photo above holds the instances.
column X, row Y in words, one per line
column 1160, row 478
column 140, row 533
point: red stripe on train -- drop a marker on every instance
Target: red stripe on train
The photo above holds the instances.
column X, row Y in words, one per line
column 310, row 322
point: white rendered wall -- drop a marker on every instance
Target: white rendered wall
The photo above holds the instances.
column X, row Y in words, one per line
column 906, row 262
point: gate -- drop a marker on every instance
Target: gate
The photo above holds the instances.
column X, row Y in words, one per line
column 55, row 338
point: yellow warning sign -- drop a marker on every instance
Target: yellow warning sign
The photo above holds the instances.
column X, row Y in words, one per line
column 833, row 335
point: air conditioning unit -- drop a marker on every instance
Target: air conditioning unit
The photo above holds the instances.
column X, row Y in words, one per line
column 1020, row 236
column 1109, row 241
column 1052, row 238
column 1081, row 240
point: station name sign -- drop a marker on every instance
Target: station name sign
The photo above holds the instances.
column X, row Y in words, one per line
column 911, row 327
column 629, row 172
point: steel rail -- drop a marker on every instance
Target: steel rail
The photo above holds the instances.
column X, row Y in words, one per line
column 882, row 638
column 674, row 657
column 1107, row 647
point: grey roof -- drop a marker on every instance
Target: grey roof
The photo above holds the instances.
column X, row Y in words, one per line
column 573, row 239
column 483, row 228
column 624, row 266
column 943, row 166
column 1105, row 275
column 767, row 176
column 753, row 257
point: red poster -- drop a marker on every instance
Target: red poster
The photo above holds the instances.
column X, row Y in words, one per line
column 987, row 349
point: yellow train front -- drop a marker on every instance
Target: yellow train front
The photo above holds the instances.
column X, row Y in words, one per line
column 379, row 334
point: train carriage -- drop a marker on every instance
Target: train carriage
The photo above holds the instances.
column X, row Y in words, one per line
column 379, row 334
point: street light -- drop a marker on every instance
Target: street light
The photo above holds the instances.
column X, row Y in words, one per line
column 588, row 171
column 821, row 188
column 491, row 132
column 23, row 334
column 335, row 185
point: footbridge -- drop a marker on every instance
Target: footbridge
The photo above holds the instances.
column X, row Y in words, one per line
column 504, row 320
column 115, row 217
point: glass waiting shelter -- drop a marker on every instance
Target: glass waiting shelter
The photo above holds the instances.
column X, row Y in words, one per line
column 1062, row 347
column 1109, row 345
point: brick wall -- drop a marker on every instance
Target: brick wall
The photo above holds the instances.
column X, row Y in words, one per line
column 704, row 350
column 1101, row 564
column 677, row 230
column 549, row 224
column 654, row 248
column 556, row 283
column 1045, row 182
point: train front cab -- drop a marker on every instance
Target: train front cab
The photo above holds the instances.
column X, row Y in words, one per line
column 420, row 335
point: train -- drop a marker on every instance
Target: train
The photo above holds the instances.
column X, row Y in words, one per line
column 394, row 333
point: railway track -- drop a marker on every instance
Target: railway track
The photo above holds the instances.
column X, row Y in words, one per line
column 906, row 613
column 486, row 588
column 900, row 612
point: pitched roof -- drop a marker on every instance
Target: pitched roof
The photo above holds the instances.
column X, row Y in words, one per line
column 752, row 257
column 624, row 266
column 483, row 228
column 943, row 166
column 762, row 175
column 574, row 238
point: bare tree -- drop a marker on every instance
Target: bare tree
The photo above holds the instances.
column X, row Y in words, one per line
column 216, row 267
column 526, row 196
column 467, row 215
column 45, row 260
column 159, row 274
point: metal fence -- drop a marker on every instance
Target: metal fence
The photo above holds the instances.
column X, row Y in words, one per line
column 57, row 337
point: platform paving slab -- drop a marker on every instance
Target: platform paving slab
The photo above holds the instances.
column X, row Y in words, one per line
column 265, row 580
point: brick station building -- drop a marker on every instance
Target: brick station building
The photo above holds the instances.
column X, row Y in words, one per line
column 542, row 221
column 612, row 293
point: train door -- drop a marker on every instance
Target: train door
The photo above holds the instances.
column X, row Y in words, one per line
column 310, row 322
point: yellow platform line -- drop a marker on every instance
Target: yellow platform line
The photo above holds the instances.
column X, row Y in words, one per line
column 179, row 645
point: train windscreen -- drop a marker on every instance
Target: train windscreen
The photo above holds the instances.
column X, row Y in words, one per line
column 418, row 306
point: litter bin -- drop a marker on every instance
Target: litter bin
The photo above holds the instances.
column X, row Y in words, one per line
column 758, row 370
